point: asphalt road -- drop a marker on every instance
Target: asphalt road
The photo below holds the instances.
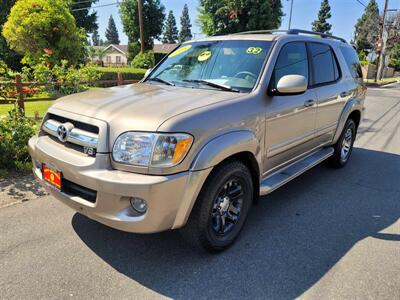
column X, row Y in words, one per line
column 327, row 234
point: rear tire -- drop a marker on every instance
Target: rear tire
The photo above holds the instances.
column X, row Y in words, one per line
column 344, row 146
column 221, row 208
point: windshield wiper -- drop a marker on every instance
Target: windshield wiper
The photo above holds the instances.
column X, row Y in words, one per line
column 213, row 84
column 157, row 79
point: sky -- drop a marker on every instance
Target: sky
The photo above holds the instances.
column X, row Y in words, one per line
column 344, row 14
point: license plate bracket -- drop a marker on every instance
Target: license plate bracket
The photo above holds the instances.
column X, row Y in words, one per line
column 52, row 176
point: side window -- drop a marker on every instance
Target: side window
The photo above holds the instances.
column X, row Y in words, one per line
column 352, row 61
column 325, row 68
column 292, row 60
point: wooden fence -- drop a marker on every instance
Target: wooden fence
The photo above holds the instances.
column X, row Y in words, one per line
column 21, row 97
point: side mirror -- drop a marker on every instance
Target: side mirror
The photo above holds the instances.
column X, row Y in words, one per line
column 292, row 84
column 147, row 73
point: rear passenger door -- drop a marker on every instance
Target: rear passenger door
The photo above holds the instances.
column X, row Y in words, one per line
column 331, row 90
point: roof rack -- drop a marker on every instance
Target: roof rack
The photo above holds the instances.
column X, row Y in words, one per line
column 295, row 31
column 323, row 35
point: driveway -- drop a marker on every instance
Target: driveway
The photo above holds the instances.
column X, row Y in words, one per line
column 327, row 234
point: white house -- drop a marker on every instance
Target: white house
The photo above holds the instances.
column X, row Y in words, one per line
column 117, row 55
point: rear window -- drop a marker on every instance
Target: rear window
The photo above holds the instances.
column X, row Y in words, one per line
column 325, row 68
column 352, row 61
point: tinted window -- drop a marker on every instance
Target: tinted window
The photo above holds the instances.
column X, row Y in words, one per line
column 352, row 61
column 292, row 60
column 324, row 64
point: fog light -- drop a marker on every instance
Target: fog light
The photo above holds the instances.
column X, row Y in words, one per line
column 139, row 205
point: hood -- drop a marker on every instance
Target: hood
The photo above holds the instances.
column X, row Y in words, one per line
column 140, row 106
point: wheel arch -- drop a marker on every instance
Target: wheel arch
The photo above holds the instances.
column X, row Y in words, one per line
column 239, row 145
column 352, row 109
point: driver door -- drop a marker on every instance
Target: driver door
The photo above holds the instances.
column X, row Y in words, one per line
column 290, row 119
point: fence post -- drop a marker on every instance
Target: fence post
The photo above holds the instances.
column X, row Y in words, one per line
column 120, row 79
column 20, row 95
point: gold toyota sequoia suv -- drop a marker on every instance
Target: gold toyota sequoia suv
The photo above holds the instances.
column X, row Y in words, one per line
column 217, row 123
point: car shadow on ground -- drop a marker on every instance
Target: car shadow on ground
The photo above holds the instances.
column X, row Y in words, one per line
column 292, row 238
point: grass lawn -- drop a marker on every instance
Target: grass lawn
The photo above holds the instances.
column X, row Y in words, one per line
column 30, row 108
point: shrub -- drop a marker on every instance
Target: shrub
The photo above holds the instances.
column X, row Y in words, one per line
column 72, row 79
column 133, row 49
column 144, row 60
column 128, row 73
column 15, row 131
column 363, row 58
column 158, row 57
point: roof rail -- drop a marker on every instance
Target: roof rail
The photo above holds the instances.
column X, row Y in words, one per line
column 261, row 31
column 294, row 31
column 323, row 35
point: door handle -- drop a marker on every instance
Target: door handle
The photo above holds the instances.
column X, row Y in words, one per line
column 345, row 94
column 309, row 103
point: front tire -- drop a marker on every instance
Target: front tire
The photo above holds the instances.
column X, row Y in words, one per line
column 221, row 208
column 344, row 146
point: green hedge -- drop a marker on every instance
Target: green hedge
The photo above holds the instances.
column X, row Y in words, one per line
column 128, row 73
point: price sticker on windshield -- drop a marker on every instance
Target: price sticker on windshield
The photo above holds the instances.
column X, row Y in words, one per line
column 180, row 50
column 254, row 50
column 204, row 56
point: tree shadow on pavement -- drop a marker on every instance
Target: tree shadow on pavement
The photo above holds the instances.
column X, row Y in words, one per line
column 292, row 238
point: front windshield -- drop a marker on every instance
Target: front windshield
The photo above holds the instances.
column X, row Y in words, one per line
column 233, row 64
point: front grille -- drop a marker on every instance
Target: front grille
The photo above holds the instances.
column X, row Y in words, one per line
column 74, row 189
column 77, row 124
column 74, row 134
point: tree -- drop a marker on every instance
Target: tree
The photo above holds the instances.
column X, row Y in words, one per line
column 95, row 38
column 321, row 24
column 392, row 26
column 230, row 16
column 10, row 57
column 84, row 19
column 367, row 28
column 277, row 13
column 153, row 19
column 34, row 25
column 92, row 53
column 170, row 31
column 112, row 32
column 185, row 34
column 394, row 56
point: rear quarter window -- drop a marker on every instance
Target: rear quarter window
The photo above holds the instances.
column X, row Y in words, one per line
column 352, row 61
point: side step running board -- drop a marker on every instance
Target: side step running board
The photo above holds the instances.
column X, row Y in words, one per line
column 290, row 172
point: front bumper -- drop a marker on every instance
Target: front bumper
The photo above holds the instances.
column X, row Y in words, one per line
column 169, row 198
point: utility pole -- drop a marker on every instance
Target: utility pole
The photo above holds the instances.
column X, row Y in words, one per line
column 290, row 14
column 141, row 29
column 380, row 63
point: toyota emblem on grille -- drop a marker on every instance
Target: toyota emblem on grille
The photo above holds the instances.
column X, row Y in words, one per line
column 63, row 131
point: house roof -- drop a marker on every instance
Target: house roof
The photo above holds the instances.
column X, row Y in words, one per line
column 164, row 48
column 157, row 48
column 121, row 48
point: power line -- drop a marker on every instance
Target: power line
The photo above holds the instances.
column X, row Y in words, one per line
column 89, row 7
column 81, row 2
column 362, row 3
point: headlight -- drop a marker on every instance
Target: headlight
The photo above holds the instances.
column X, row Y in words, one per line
column 151, row 149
